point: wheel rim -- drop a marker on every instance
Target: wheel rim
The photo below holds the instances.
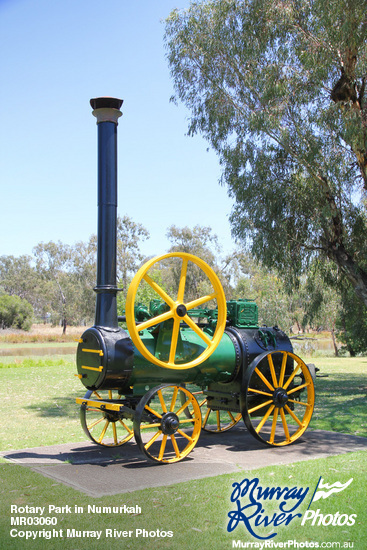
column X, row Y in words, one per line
column 105, row 428
column 178, row 311
column 223, row 420
column 215, row 421
column 163, row 430
column 278, row 398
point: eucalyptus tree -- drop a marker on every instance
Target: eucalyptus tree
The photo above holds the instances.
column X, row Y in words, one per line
column 277, row 87
column 129, row 257
column 83, row 272
column 53, row 262
column 199, row 241
column 18, row 276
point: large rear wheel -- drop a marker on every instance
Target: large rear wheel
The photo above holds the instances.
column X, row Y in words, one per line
column 278, row 398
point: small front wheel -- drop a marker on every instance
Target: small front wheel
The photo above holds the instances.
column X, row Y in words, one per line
column 163, row 430
column 106, row 428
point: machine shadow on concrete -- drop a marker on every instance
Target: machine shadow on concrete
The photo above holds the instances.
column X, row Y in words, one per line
column 100, row 471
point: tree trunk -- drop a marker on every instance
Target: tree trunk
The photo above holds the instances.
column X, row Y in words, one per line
column 336, row 351
column 356, row 276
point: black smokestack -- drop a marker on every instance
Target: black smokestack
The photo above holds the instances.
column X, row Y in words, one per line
column 107, row 111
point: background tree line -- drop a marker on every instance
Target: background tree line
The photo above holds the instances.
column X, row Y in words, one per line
column 56, row 283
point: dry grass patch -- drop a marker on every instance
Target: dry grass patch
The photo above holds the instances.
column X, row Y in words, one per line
column 40, row 334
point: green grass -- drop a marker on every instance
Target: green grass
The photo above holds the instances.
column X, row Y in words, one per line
column 38, row 403
column 341, row 392
column 38, row 408
column 196, row 511
column 36, row 361
column 40, row 393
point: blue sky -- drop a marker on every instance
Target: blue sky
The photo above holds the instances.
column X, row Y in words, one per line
column 55, row 56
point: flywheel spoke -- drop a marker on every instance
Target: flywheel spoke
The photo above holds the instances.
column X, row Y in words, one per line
column 198, row 330
column 206, row 417
column 274, row 425
column 163, row 447
column 290, row 379
column 282, row 370
column 174, row 399
column 156, row 320
column 90, row 426
column 293, row 415
column 152, row 439
column 201, row 301
column 260, row 392
column 258, row 407
column 181, row 287
column 159, row 290
column 156, row 413
column 218, row 421
column 174, row 340
column 298, row 388
column 162, row 402
column 185, row 435
column 103, row 432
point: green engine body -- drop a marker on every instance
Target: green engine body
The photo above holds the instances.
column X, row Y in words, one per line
column 107, row 359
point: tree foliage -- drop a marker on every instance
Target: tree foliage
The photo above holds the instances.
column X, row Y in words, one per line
column 15, row 312
column 278, row 89
column 199, row 241
column 57, row 270
column 129, row 257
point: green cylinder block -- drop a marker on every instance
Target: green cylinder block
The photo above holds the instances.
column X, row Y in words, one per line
column 221, row 366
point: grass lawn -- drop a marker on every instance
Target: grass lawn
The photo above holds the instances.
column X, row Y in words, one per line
column 43, row 390
column 196, row 511
column 38, row 408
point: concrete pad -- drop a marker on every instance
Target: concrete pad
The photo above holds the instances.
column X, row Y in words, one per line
column 98, row 471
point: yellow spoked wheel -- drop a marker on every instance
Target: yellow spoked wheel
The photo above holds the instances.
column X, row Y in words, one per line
column 105, row 428
column 177, row 310
column 219, row 421
column 214, row 421
column 278, row 398
column 163, row 431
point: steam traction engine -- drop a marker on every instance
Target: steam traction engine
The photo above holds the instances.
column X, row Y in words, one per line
column 185, row 363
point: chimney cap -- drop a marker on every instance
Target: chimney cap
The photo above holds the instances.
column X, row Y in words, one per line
column 106, row 103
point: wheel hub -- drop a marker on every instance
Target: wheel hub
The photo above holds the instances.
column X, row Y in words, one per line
column 169, row 423
column 280, row 397
column 111, row 416
column 181, row 310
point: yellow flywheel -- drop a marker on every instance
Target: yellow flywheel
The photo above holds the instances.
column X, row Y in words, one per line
column 177, row 310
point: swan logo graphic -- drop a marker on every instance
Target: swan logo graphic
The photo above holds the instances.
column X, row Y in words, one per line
column 324, row 490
